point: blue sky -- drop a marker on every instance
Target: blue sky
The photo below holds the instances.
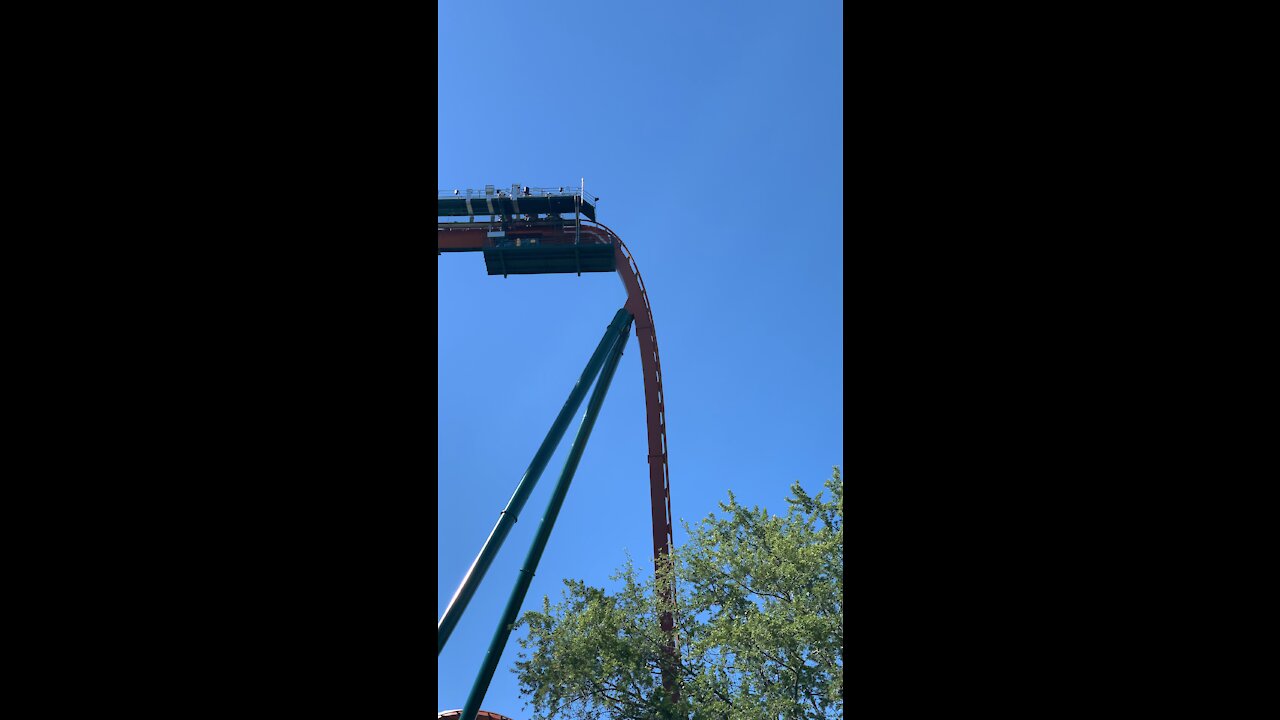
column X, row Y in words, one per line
column 712, row 133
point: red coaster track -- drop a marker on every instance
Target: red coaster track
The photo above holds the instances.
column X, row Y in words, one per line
column 473, row 237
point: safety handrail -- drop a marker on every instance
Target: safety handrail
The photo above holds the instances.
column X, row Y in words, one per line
column 559, row 191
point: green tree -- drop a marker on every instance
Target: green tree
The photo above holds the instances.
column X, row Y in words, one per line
column 760, row 622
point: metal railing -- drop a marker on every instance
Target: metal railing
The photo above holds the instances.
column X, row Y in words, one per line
column 519, row 191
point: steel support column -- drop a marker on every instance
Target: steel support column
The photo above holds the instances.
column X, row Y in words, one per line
column 525, row 577
column 510, row 514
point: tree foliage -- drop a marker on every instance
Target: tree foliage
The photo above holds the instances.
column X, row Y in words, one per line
column 760, row 620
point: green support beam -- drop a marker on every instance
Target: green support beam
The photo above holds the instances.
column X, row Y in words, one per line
column 453, row 613
column 501, row 635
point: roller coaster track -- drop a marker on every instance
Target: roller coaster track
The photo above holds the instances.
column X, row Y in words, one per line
column 470, row 237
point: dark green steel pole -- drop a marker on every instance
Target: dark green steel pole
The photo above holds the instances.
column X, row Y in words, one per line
column 511, row 513
column 525, row 577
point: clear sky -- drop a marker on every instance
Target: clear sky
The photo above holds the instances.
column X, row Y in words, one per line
column 712, row 132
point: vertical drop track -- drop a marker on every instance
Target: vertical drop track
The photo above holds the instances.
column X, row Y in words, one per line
column 472, row 238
